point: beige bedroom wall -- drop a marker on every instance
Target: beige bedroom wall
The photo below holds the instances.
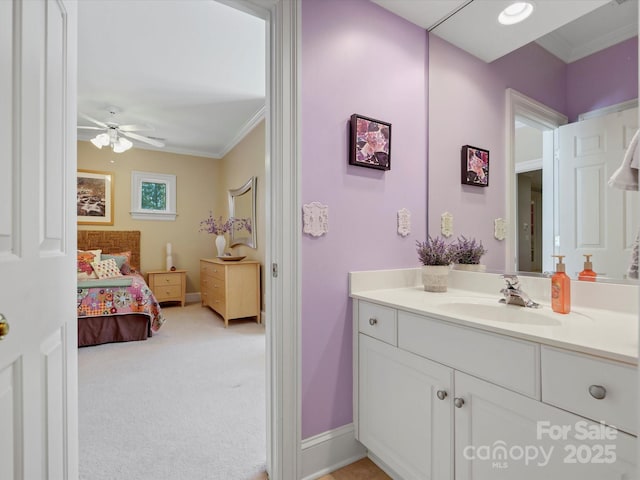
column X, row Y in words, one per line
column 245, row 160
column 198, row 183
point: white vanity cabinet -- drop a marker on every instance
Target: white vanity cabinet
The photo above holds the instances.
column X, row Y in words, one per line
column 436, row 400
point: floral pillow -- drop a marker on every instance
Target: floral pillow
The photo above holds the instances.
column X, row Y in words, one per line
column 106, row 268
column 126, row 267
column 84, row 260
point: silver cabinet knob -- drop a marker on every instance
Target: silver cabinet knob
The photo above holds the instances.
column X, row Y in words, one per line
column 373, row 321
column 597, row 391
column 441, row 394
column 458, row 402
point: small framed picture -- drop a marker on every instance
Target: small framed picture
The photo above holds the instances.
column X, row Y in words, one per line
column 475, row 166
column 370, row 144
column 95, row 198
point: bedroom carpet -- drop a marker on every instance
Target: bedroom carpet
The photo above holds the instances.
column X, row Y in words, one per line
column 188, row 403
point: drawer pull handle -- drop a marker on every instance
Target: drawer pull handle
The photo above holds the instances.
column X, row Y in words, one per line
column 442, row 394
column 458, row 402
column 597, row 391
column 373, row 321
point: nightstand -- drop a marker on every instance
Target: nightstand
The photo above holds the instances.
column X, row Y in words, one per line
column 168, row 286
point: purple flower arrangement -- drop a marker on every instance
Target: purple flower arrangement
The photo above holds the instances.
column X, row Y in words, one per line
column 467, row 251
column 220, row 227
column 434, row 251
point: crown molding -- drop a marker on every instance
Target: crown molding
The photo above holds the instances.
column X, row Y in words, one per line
column 245, row 130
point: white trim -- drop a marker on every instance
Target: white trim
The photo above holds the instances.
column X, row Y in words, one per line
column 618, row 107
column 384, row 467
column 244, row 131
column 329, row 451
column 518, row 104
column 528, row 165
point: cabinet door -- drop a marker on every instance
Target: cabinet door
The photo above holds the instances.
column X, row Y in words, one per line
column 401, row 418
column 500, row 434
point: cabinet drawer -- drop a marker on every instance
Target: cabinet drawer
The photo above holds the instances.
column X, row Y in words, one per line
column 163, row 292
column 378, row 322
column 509, row 362
column 167, row 279
column 212, row 270
column 568, row 376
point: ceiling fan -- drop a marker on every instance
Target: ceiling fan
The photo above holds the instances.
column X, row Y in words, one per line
column 113, row 134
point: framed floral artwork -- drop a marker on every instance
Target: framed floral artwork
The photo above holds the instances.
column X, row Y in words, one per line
column 370, row 144
column 475, row 166
column 94, row 198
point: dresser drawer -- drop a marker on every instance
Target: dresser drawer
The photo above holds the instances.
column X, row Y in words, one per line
column 572, row 381
column 165, row 292
column 505, row 361
column 212, row 270
column 161, row 279
column 378, row 322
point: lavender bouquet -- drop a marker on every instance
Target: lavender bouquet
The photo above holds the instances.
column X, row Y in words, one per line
column 434, row 251
column 467, row 251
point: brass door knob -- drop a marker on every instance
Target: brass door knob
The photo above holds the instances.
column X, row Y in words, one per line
column 4, row 327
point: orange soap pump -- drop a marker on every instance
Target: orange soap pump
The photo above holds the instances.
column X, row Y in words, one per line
column 587, row 274
column 560, row 288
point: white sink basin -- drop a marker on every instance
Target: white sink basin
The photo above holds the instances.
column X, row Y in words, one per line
column 499, row 312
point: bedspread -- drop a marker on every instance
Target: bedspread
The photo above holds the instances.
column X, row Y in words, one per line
column 120, row 300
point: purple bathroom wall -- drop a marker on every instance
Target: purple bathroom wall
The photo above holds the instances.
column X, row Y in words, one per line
column 356, row 58
column 467, row 107
column 612, row 77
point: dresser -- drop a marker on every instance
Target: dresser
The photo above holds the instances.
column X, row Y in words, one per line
column 231, row 288
column 168, row 286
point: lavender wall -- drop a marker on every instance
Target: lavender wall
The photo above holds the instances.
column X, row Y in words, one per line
column 604, row 78
column 356, row 58
column 467, row 107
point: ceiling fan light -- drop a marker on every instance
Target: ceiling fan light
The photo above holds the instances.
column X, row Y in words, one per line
column 96, row 142
column 122, row 145
column 515, row 13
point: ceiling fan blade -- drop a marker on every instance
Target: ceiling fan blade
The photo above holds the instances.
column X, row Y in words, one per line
column 150, row 141
column 134, row 128
column 91, row 119
column 89, row 128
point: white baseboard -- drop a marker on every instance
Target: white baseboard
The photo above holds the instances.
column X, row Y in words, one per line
column 193, row 297
column 329, row 451
column 384, row 467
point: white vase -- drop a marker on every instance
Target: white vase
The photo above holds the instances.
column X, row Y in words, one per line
column 470, row 267
column 221, row 244
column 435, row 278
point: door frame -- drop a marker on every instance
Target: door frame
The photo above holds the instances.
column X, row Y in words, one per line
column 519, row 105
column 283, row 232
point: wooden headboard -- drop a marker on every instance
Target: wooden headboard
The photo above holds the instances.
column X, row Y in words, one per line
column 112, row 241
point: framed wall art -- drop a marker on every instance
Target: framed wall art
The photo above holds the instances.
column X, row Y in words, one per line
column 370, row 143
column 475, row 166
column 94, row 197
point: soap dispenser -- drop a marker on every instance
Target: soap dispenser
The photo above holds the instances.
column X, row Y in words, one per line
column 587, row 274
column 560, row 288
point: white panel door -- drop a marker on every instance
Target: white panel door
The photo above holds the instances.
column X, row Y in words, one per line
column 502, row 435
column 38, row 357
column 401, row 416
column 593, row 217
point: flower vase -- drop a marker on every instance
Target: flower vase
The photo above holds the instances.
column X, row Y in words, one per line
column 435, row 278
column 221, row 244
column 470, row 267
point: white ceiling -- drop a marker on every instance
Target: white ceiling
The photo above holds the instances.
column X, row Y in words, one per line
column 472, row 25
column 194, row 70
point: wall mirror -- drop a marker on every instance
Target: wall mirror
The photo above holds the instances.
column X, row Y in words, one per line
column 242, row 208
column 536, row 179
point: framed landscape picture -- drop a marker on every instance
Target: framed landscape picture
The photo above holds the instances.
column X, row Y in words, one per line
column 370, row 144
column 94, row 198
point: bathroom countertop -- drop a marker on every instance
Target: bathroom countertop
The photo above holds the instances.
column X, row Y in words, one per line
column 604, row 333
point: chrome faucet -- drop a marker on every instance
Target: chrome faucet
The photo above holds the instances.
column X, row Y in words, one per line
column 513, row 295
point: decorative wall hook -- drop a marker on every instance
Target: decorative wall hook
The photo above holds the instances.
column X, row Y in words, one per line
column 404, row 222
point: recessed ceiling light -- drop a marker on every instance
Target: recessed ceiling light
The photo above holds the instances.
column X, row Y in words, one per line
column 514, row 13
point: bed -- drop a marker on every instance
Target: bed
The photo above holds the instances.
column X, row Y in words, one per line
column 119, row 307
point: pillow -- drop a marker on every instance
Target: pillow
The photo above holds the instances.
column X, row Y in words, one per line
column 84, row 259
column 120, row 259
column 106, row 268
column 126, row 267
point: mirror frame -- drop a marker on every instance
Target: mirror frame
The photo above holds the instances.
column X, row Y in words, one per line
column 250, row 188
column 518, row 104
